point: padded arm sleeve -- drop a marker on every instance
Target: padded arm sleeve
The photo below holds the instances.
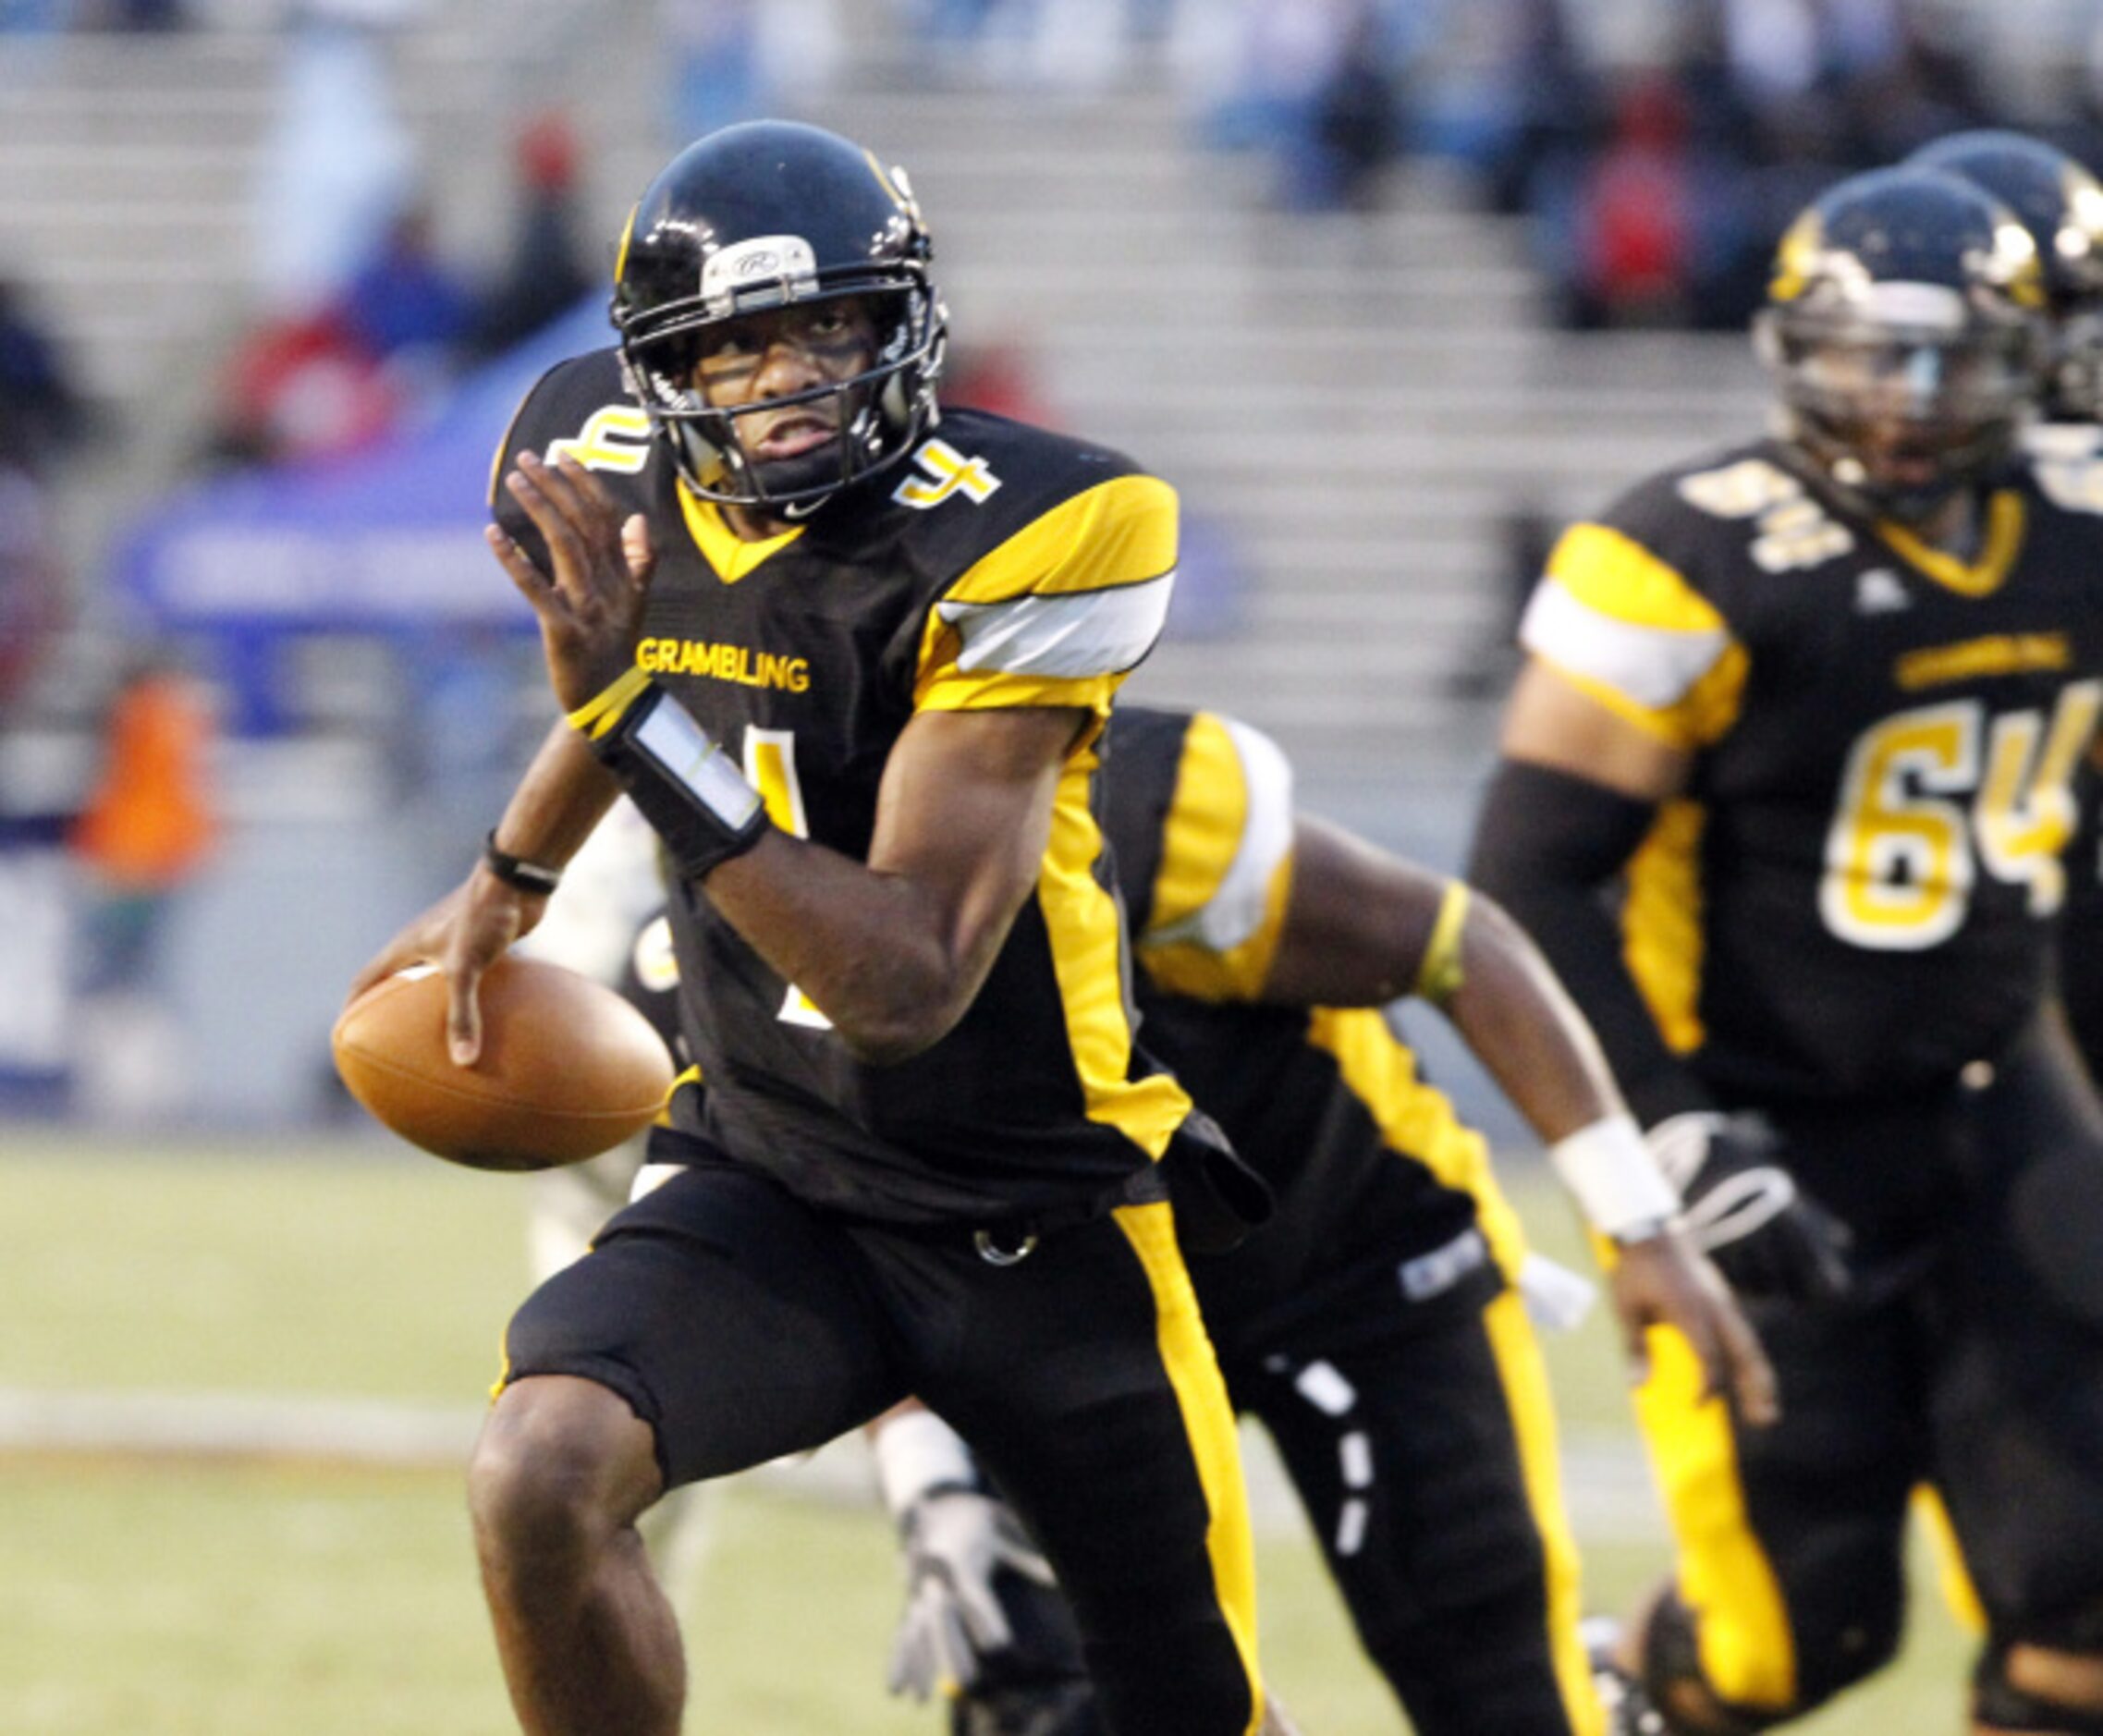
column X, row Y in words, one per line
column 1548, row 847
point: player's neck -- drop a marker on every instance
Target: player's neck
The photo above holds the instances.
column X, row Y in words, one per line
column 748, row 524
column 1954, row 527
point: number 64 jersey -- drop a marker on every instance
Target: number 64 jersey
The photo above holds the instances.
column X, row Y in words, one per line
column 1855, row 892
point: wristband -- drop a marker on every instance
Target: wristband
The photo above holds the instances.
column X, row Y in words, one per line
column 675, row 771
column 515, row 871
column 917, row 1455
column 1615, row 1182
column 1440, row 977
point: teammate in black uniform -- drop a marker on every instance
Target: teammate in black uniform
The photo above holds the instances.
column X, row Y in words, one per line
column 2061, row 202
column 852, row 669
column 1375, row 1324
column 1813, row 708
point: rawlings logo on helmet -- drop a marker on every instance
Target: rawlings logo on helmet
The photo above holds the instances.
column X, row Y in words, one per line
column 787, row 261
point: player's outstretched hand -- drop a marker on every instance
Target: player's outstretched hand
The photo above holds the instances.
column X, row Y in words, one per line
column 956, row 1542
column 1666, row 1280
column 1744, row 1210
column 463, row 934
column 589, row 606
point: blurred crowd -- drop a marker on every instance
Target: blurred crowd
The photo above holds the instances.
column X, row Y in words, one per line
column 1651, row 184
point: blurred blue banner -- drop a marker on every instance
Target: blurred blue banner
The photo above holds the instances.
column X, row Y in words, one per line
column 389, row 541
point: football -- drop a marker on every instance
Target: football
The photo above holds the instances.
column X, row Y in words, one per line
column 567, row 1068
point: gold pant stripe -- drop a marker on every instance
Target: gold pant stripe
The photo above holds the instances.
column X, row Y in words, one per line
column 1208, row 1419
column 1525, row 1380
column 1725, row 1579
column 1952, row 1578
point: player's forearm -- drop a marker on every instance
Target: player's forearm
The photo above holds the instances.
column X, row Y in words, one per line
column 563, row 795
column 1518, row 1020
column 1546, row 848
column 875, row 951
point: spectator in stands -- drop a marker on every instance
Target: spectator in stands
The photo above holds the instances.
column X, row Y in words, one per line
column 736, row 60
column 149, row 824
column 1356, row 130
column 1538, row 112
column 404, row 304
column 547, row 271
column 1921, row 82
column 336, row 166
column 43, row 409
column 297, row 389
column 1631, row 252
column 150, row 827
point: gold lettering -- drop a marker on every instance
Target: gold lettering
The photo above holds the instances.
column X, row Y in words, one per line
column 739, row 664
column 1999, row 653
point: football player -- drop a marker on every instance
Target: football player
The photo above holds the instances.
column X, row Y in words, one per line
column 1375, row 1324
column 1786, row 785
column 852, row 669
column 2061, row 202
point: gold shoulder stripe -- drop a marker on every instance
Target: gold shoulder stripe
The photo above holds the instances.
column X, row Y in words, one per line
column 1615, row 574
column 1225, row 869
column 1207, row 815
column 1120, row 532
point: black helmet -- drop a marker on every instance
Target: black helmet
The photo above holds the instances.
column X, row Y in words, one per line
column 1904, row 328
column 755, row 217
column 2062, row 204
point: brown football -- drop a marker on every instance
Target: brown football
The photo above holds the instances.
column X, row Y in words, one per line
column 567, row 1068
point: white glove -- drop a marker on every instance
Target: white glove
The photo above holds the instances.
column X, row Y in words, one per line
column 956, row 1540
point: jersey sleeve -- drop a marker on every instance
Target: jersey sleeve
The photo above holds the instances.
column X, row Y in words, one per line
column 1061, row 611
column 1626, row 625
column 1224, row 864
column 580, row 407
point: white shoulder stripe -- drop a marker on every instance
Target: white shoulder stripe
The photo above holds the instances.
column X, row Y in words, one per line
column 1078, row 634
column 1235, row 910
column 1656, row 667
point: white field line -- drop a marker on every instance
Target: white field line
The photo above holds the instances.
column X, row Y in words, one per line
column 1606, row 1485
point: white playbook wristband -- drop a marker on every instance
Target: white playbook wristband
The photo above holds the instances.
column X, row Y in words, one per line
column 1611, row 1174
column 917, row 1452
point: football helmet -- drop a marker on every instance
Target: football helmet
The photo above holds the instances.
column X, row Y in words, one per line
column 1904, row 331
column 2062, row 204
column 759, row 216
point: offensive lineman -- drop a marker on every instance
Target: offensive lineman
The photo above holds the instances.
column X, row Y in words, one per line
column 2062, row 204
column 1375, row 1324
column 1812, row 709
column 853, row 672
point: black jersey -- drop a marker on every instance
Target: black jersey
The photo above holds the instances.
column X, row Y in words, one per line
column 999, row 566
column 1885, row 741
column 1324, row 1104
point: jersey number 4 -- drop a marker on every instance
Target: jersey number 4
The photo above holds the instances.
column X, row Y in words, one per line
column 1931, row 796
column 770, row 769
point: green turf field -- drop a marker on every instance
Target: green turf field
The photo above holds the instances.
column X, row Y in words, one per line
column 154, row 1593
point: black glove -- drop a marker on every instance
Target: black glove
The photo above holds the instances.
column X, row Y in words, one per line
column 1744, row 1210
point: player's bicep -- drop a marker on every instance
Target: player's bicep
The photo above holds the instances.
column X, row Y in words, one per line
column 1556, row 721
column 1358, row 923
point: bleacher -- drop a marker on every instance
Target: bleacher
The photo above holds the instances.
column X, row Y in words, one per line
column 1357, row 404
